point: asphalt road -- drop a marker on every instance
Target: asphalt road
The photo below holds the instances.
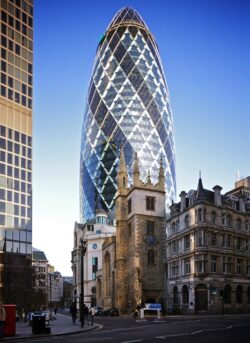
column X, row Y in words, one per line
column 126, row 330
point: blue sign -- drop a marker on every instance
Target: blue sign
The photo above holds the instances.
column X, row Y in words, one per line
column 153, row 306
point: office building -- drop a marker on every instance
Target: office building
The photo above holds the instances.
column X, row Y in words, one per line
column 16, row 60
column 127, row 106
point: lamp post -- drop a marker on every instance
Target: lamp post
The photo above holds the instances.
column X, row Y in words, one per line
column 83, row 249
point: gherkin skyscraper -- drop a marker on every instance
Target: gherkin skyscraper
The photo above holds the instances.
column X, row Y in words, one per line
column 127, row 106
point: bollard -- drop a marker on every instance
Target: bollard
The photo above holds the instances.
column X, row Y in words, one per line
column 142, row 313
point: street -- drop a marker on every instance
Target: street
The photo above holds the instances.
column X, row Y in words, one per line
column 175, row 330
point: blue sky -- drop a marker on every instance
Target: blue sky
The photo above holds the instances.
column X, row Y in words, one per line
column 205, row 51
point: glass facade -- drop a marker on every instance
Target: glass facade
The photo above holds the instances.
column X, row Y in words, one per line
column 127, row 105
column 16, row 49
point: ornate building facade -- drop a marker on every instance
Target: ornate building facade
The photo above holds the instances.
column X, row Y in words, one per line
column 127, row 105
column 134, row 261
column 208, row 250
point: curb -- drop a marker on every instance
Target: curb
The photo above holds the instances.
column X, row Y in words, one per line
column 35, row 337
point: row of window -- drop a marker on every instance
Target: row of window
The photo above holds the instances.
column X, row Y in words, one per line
column 226, row 220
column 210, row 239
column 15, row 161
column 149, row 204
column 217, row 264
column 15, row 147
column 15, row 197
column 15, row 135
column 226, row 294
column 15, row 172
column 17, row 24
column 16, row 85
column 12, row 7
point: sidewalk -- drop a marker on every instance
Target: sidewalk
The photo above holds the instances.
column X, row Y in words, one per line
column 62, row 325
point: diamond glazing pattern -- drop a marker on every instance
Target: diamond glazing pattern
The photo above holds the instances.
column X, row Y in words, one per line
column 127, row 105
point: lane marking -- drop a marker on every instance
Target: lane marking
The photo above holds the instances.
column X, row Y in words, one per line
column 177, row 335
column 195, row 332
column 136, row 340
column 229, row 327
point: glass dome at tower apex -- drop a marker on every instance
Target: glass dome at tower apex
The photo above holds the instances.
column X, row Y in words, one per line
column 127, row 105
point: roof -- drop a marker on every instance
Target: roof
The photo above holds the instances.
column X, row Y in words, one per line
column 38, row 255
column 125, row 15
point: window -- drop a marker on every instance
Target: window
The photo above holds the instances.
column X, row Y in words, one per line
column 239, row 224
column 150, row 227
column 200, row 264
column 213, row 264
column 239, row 294
column 174, row 269
column 150, row 203
column 199, row 238
column 129, row 205
column 173, row 227
column 238, row 243
column 248, row 295
column 227, row 265
column 185, row 295
column 90, row 227
column 227, row 294
column 213, row 239
column 151, row 257
column 94, row 267
column 187, row 242
column 186, row 222
column 174, row 246
column 213, row 218
column 229, row 220
column 199, row 215
column 239, row 266
column 187, row 266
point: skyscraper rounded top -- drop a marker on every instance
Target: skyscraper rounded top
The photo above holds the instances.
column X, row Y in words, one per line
column 125, row 15
column 127, row 106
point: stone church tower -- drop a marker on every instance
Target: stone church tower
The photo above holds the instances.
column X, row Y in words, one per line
column 140, row 239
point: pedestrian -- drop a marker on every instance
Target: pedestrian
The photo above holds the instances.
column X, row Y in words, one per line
column 73, row 311
column 85, row 314
column 55, row 310
column 92, row 315
column 2, row 320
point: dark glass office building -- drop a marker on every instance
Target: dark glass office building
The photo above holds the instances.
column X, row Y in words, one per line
column 16, row 58
column 127, row 105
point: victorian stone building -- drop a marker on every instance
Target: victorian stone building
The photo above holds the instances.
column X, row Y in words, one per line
column 208, row 250
column 137, row 275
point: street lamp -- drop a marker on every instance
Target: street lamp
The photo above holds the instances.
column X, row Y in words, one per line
column 83, row 249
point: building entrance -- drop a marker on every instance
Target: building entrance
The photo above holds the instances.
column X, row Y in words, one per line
column 201, row 297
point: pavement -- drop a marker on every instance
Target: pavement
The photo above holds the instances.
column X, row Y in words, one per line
column 61, row 324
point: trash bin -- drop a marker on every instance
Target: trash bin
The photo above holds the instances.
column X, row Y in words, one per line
column 38, row 324
column 10, row 322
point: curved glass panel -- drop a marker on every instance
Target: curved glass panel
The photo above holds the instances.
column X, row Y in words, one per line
column 127, row 105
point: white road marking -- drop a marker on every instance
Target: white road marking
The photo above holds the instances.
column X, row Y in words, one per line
column 177, row 335
column 229, row 327
column 136, row 340
column 195, row 332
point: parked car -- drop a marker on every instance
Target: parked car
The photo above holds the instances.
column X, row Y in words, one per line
column 105, row 311
column 98, row 310
column 114, row 312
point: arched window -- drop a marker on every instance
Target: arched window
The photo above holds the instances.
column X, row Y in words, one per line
column 187, row 221
column 151, row 257
column 248, row 295
column 177, row 226
column 185, row 295
column 175, row 295
column 239, row 294
column 227, row 294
